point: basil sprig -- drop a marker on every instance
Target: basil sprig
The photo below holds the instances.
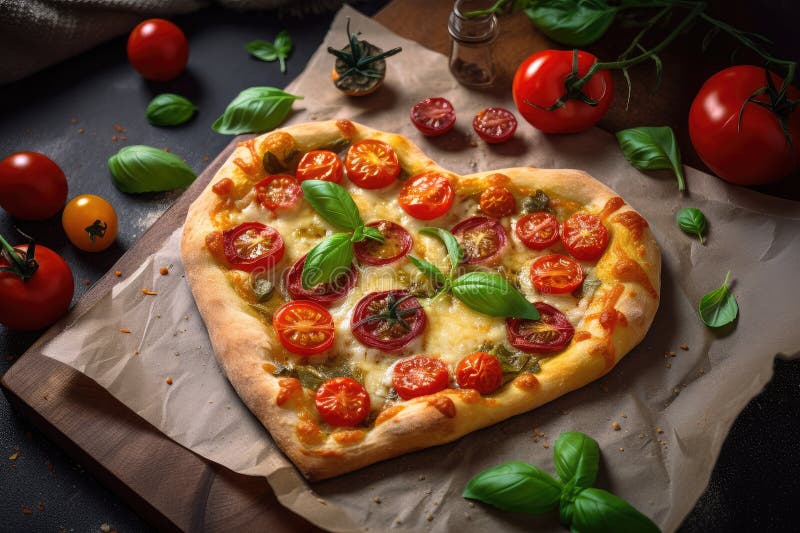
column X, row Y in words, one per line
column 652, row 148
column 334, row 254
column 719, row 308
column 484, row 292
column 267, row 51
column 139, row 168
column 692, row 220
column 521, row 487
column 574, row 23
column 169, row 110
column 255, row 110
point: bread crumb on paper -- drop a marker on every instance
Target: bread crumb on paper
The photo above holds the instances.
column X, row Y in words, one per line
column 659, row 431
column 616, row 426
column 429, row 518
column 40, row 506
column 683, row 346
column 118, row 273
column 147, row 292
column 125, row 330
column 377, row 499
column 27, row 511
column 105, row 528
column 13, row 456
column 169, row 381
column 163, row 271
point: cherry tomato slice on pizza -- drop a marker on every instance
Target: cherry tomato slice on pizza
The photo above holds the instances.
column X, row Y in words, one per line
column 551, row 333
column 497, row 201
column 279, row 191
column 304, row 328
column 584, row 235
column 433, row 116
column 538, row 230
column 325, row 294
column 388, row 320
column 495, row 124
column 419, row 376
column 480, row 371
column 427, row 195
column 481, row 238
column 396, row 244
column 556, row 274
column 320, row 165
column 371, row 164
column 252, row 246
column 342, row 402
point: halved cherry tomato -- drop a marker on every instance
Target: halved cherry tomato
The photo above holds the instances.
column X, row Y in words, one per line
column 497, row 201
column 158, row 49
column 304, row 328
column 584, row 235
column 90, row 223
column 433, row 116
column 371, row 164
column 388, row 320
column 495, row 124
column 320, row 165
column 551, row 333
column 252, row 246
column 426, row 195
column 538, row 230
column 480, row 371
column 556, row 274
column 396, row 244
column 279, row 191
column 342, row 402
column 419, row 376
column 325, row 293
column 32, row 186
column 481, row 238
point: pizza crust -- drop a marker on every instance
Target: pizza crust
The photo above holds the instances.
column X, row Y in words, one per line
column 242, row 345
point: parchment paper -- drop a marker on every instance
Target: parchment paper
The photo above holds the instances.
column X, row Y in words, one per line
column 674, row 412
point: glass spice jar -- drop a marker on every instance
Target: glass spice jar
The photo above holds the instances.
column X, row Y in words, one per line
column 472, row 40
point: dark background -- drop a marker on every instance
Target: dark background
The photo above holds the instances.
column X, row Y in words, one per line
column 753, row 486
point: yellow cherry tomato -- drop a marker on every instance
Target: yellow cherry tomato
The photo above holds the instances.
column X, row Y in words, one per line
column 90, row 222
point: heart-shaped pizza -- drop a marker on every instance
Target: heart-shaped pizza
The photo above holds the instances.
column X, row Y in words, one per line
column 365, row 302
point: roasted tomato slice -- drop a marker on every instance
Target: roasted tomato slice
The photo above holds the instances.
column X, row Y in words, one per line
column 320, row 165
column 480, row 371
column 584, row 235
column 419, row 376
column 388, row 320
column 556, row 274
column 279, row 191
column 371, row 164
column 495, row 124
column 304, row 328
column 252, row 246
column 551, row 333
column 481, row 238
column 427, row 195
column 342, row 402
column 497, row 201
column 538, row 230
column 324, row 294
column 396, row 244
column 433, row 116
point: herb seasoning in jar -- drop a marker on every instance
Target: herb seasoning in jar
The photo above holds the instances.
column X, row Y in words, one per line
column 471, row 58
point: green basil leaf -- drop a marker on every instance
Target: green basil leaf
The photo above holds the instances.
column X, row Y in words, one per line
column 515, row 486
column 566, row 504
column 652, row 148
column 267, row 51
column 513, row 363
column 692, row 220
column 718, row 307
column 538, row 202
column 140, row 168
column 169, row 110
column 312, row 376
column 599, row 511
column 283, row 43
column 577, row 457
column 327, row 260
column 574, row 23
column 454, row 250
column 333, row 203
column 493, row 295
column 358, row 235
column 256, row 109
column 373, row 233
column 429, row 269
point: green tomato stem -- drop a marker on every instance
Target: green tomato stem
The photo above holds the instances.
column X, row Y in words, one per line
column 12, row 253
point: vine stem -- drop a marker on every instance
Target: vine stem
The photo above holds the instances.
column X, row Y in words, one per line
column 12, row 253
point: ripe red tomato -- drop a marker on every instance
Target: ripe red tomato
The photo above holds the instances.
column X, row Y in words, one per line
column 40, row 300
column 320, row 165
column 280, row 191
column 371, row 164
column 584, row 235
column 324, row 294
column 304, row 328
column 427, row 195
column 32, row 186
column 342, row 402
column 556, row 274
column 755, row 151
column 539, row 82
column 480, row 371
column 495, row 124
column 551, row 333
column 396, row 244
column 482, row 239
column 433, row 116
column 388, row 320
column 537, row 230
column 252, row 246
column 497, row 201
column 419, row 376
column 158, row 50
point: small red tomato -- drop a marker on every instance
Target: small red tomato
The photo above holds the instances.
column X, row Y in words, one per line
column 419, row 376
column 497, row 201
column 32, row 186
column 280, row 191
column 158, row 50
column 584, row 235
column 480, row 371
column 320, row 165
column 433, row 116
column 388, row 320
column 551, row 333
column 396, row 244
column 252, row 245
column 371, row 164
column 304, row 328
column 482, row 239
column 537, row 230
column 342, row 402
column 495, row 125
column 556, row 274
column 426, row 195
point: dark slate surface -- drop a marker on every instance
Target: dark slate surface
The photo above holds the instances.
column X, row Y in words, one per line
column 754, row 484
